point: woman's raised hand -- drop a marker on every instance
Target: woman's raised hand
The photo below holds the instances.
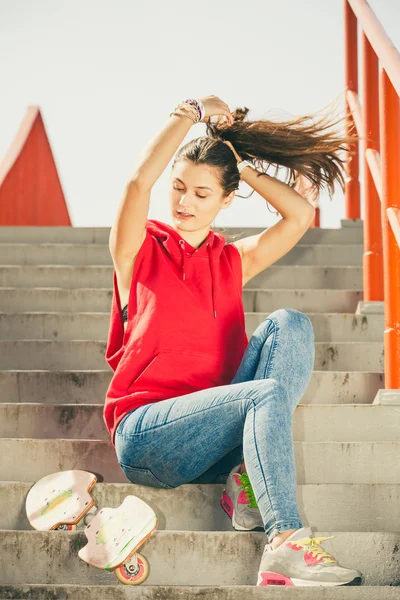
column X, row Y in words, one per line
column 214, row 106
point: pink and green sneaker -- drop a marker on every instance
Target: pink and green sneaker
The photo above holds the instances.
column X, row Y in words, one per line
column 239, row 502
column 300, row 561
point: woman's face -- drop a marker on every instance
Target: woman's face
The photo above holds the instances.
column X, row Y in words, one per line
column 195, row 190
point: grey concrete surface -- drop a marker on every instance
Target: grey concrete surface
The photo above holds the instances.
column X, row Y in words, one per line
column 99, row 254
column 101, row 235
column 55, row 298
column 92, row 276
column 90, row 386
column 316, row 462
column 328, row 327
column 186, row 558
column 196, row 507
column 311, row 422
column 86, row 354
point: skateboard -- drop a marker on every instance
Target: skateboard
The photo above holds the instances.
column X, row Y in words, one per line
column 62, row 501
column 115, row 535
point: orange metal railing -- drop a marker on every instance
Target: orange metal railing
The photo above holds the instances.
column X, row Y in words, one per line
column 377, row 120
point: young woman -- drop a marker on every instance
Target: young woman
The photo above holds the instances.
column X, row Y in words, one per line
column 190, row 394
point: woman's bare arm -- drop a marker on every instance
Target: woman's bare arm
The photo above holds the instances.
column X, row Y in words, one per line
column 128, row 231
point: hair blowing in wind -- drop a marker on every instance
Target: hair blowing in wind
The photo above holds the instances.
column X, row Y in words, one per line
column 308, row 145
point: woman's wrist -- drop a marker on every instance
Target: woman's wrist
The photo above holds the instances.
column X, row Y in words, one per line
column 243, row 164
column 238, row 157
column 182, row 114
column 190, row 108
column 185, row 112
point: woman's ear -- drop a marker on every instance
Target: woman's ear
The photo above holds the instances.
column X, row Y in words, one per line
column 228, row 200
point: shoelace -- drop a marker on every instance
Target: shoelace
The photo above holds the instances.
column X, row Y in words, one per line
column 312, row 544
column 248, row 490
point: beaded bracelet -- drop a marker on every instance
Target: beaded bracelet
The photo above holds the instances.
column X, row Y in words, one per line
column 198, row 104
column 183, row 114
column 190, row 108
column 196, row 108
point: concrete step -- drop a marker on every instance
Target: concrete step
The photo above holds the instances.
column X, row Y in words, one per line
column 281, row 277
column 316, row 462
column 186, row 558
column 99, row 300
column 340, row 356
column 328, row 327
column 83, row 354
column 335, row 507
column 99, row 254
column 101, row 235
column 308, row 301
column 311, row 423
column 308, row 277
column 158, row 592
column 333, row 327
column 351, row 223
column 89, row 387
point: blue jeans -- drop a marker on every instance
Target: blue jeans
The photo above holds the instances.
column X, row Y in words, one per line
column 200, row 437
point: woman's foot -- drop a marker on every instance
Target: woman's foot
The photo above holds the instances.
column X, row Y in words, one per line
column 300, row 561
column 239, row 502
column 281, row 537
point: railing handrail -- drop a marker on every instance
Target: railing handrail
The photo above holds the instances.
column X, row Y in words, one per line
column 377, row 121
column 379, row 40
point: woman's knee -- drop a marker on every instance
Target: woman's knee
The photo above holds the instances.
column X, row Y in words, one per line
column 292, row 318
column 290, row 353
column 297, row 323
column 270, row 390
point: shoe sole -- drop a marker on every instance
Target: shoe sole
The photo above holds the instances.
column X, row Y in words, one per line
column 269, row 578
column 227, row 506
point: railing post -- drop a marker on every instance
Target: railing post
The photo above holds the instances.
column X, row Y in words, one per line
column 390, row 169
column 317, row 219
column 352, row 183
column 372, row 258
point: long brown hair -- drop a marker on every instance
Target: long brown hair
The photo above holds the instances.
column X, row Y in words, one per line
column 311, row 149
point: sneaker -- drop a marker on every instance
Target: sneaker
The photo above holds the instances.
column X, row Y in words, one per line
column 300, row 561
column 239, row 502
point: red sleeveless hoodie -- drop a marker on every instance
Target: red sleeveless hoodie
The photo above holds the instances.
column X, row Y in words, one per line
column 186, row 324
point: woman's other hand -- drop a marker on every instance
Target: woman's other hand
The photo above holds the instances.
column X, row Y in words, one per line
column 238, row 158
column 214, row 106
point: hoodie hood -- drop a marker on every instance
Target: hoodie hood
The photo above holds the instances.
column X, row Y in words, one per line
column 181, row 251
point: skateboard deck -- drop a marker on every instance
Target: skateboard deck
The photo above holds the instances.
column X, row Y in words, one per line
column 60, row 500
column 114, row 536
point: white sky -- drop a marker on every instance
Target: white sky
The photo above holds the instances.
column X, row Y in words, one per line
column 106, row 75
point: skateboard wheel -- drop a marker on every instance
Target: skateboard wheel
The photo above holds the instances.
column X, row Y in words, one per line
column 66, row 527
column 130, row 574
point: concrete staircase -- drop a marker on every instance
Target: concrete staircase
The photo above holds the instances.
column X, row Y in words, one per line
column 55, row 297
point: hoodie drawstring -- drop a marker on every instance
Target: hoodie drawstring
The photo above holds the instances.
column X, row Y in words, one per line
column 210, row 262
column 182, row 245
